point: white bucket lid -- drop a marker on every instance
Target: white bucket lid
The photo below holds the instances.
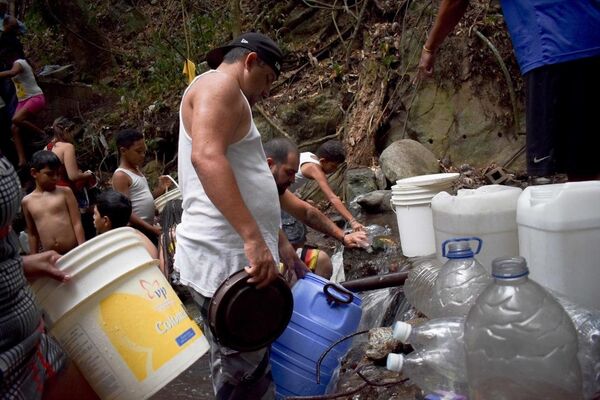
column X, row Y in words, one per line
column 411, row 202
column 413, row 191
column 431, row 179
column 413, row 197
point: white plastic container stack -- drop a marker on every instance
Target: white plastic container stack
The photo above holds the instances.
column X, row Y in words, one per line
column 559, row 236
column 488, row 213
column 411, row 201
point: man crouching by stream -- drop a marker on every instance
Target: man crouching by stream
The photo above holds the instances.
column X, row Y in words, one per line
column 231, row 212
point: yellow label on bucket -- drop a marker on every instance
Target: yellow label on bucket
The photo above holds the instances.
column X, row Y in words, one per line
column 147, row 325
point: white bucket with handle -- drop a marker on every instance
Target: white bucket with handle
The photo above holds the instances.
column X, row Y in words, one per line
column 411, row 201
column 118, row 318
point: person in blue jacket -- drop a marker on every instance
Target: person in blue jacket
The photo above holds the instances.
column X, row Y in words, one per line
column 557, row 45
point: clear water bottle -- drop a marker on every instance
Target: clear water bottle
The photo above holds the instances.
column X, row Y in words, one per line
column 520, row 342
column 431, row 370
column 436, row 333
column 419, row 283
column 460, row 281
column 587, row 325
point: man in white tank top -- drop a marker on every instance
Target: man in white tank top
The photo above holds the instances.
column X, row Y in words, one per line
column 230, row 204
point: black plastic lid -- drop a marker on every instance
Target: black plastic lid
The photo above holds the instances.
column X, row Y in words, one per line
column 245, row 318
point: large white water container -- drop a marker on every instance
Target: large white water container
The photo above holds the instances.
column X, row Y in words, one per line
column 559, row 236
column 118, row 318
column 488, row 212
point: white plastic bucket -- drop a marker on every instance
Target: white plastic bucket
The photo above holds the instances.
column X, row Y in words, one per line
column 411, row 201
column 559, row 236
column 488, row 212
column 161, row 201
column 415, row 226
column 119, row 319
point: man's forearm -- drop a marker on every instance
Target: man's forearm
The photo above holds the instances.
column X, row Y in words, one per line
column 450, row 12
column 319, row 222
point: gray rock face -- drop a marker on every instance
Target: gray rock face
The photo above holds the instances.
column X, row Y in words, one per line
column 359, row 181
column 376, row 201
column 405, row 158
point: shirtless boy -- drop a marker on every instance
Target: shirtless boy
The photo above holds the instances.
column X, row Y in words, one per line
column 51, row 211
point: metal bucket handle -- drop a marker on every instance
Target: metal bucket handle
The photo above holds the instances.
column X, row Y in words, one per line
column 337, row 293
column 174, row 183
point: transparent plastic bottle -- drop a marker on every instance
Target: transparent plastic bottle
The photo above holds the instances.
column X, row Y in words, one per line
column 431, row 370
column 460, row 281
column 419, row 283
column 435, row 333
column 520, row 342
column 587, row 325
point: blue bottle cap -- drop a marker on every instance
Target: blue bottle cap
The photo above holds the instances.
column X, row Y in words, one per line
column 459, row 250
column 509, row 267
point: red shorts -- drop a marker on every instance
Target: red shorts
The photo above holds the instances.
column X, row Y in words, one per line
column 32, row 104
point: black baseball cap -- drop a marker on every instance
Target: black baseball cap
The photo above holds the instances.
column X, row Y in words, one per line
column 266, row 49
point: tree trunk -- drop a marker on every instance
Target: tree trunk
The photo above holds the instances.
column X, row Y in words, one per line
column 359, row 134
column 86, row 42
column 236, row 18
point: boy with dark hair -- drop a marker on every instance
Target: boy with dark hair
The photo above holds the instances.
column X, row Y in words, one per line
column 51, row 211
column 113, row 210
column 130, row 180
column 315, row 167
column 332, row 151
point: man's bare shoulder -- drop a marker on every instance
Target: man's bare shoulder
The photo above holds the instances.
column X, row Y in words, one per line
column 214, row 87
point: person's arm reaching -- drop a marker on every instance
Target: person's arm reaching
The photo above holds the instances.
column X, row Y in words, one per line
column 217, row 114
column 315, row 172
column 450, row 12
column 290, row 259
column 314, row 218
column 70, row 161
column 74, row 215
column 14, row 71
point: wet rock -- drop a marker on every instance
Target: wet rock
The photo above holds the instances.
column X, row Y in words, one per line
column 381, row 343
column 359, row 181
column 405, row 158
column 376, row 201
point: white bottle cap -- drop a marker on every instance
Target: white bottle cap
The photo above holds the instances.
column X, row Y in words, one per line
column 401, row 331
column 394, row 362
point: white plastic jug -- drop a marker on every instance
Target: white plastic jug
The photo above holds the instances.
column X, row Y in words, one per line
column 488, row 213
column 559, row 235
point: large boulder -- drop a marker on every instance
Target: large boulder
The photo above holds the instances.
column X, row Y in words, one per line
column 405, row 158
column 359, row 181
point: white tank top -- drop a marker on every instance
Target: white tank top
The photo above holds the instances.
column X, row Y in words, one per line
column 208, row 249
column 140, row 195
column 25, row 83
column 305, row 157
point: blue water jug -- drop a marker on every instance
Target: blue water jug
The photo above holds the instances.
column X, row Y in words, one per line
column 323, row 313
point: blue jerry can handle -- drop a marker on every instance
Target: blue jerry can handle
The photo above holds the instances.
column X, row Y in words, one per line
column 337, row 293
column 467, row 239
